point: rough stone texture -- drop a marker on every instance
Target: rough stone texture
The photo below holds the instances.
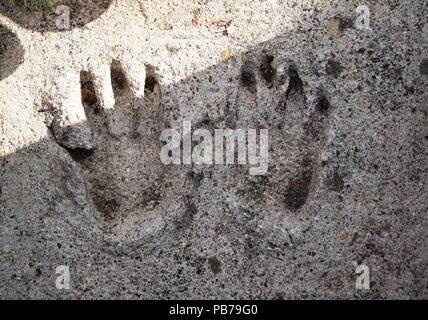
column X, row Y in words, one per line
column 81, row 183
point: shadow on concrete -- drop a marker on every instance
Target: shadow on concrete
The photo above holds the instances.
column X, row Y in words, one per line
column 11, row 52
column 55, row 190
column 81, row 13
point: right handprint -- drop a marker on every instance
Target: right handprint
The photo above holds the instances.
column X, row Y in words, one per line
column 274, row 90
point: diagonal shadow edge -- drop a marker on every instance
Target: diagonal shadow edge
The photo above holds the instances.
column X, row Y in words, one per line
column 38, row 149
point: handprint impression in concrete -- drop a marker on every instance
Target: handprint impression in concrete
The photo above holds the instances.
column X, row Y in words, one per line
column 120, row 156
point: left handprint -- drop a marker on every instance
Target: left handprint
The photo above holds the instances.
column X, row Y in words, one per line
column 109, row 118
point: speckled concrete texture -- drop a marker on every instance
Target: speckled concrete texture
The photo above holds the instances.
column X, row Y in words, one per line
column 82, row 184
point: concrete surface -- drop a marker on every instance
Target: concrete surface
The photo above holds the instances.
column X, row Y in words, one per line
column 82, row 184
